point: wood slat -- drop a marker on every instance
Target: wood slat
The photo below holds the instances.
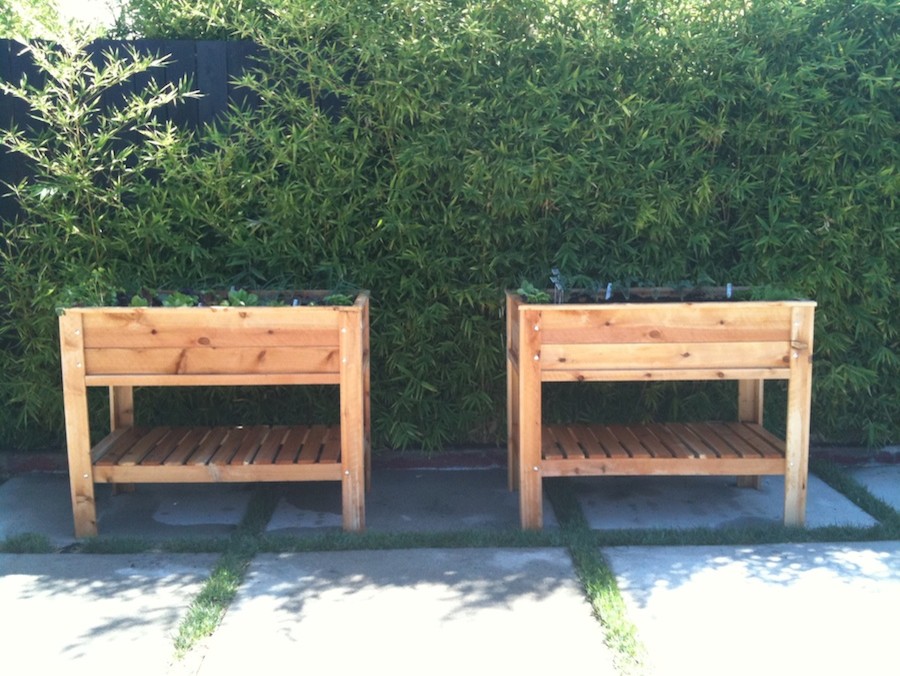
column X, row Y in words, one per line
column 112, row 447
column 675, row 446
column 628, row 439
column 229, row 446
column 616, row 373
column 253, row 438
column 663, row 444
column 290, row 447
column 612, row 447
column 161, row 451
column 549, row 447
column 205, row 360
column 766, row 443
column 143, row 446
column 269, row 448
column 210, row 327
column 186, row 446
column 331, row 448
column 668, row 322
column 168, row 447
column 206, row 450
column 707, row 356
column 312, row 444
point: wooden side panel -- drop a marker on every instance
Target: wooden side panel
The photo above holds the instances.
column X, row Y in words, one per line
column 78, row 431
column 204, row 360
column 210, row 327
column 668, row 323
column 665, row 356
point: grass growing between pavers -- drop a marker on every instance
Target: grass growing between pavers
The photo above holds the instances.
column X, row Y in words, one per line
column 585, row 546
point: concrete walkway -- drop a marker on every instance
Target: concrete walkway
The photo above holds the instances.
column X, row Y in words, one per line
column 787, row 608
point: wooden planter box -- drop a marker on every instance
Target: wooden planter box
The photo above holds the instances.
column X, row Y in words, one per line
column 745, row 341
column 123, row 348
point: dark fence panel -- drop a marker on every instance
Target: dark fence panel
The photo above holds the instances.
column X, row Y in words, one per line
column 211, row 67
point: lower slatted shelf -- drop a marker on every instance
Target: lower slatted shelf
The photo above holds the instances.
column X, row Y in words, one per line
column 202, row 454
column 673, row 448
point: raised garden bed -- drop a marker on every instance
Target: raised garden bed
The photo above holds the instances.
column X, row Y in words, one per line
column 126, row 347
column 659, row 338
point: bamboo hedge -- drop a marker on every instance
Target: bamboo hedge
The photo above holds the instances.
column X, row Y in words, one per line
column 438, row 152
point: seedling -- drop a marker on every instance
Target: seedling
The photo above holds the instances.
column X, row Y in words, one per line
column 532, row 294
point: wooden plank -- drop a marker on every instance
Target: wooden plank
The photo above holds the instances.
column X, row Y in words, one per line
column 649, row 466
column 611, row 446
column 186, row 446
column 211, row 326
column 529, row 416
column 253, row 438
column 549, row 447
column 766, row 443
column 677, row 356
column 615, row 373
column 219, row 473
column 587, row 441
column 213, row 379
column 726, row 433
column 798, row 411
column 312, row 444
column 750, row 409
column 668, row 322
column 78, row 431
column 290, row 447
column 712, row 434
column 568, row 442
column 652, row 443
column 269, row 448
column 695, row 443
column 109, row 449
column 628, row 440
column 147, row 443
column 331, row 449
column 250, row 360
column 208, row 448
column 353, row 421
column 676, row 448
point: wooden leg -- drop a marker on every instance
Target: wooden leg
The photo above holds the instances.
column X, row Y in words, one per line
column 529, row 422
column 121, row 414
column 797, row 433
column 353, row 433
column 750, row 409
column 78, row 432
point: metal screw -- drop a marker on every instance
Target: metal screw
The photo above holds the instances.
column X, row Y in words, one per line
column 535, row 468
column 537, row 357
column 537, row 327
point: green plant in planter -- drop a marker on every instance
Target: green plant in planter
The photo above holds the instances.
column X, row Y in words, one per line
column 532, row 294
column 241, row 298
column 179, row 299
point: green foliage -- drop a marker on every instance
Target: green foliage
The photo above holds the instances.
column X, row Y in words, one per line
column 28, row 19
column 80, row 233
column 439, row 152
column 532, row 294
column 185, row 19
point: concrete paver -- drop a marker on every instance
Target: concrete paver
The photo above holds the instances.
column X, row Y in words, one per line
column 706, row 502
column 410, row 612
column 420, row 500
column 773, row 609
column 785, row 608
column 882, row 481
column 81, row 614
